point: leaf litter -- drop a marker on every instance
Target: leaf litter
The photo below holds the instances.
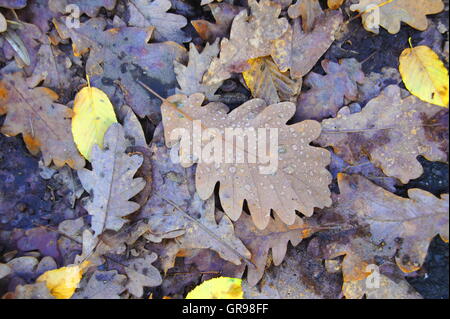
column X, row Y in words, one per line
column 325, row 224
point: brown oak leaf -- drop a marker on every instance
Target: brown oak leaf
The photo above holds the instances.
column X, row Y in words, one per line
column 250, row 37
column 44, row 124
column 329, row 92
column 190, row 77
column 390, row 14
column 111, row 183
column 390, row 131
column 275, row 237
column 298, row 183
column 146, row 13
column 300, row 51
column 223, row 14
column 141, row 273
column 309, row 10
column 409, row 224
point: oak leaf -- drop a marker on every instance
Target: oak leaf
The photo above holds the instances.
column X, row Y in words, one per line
column 328, row 93
column 111, row 183
column 186, row 217
column 266, row 82
column 223, row 14
column 298, row 51
column 300, row 181
column 190, row 77
column 120, row 57
column 275, row 237
column 102, row 285
column 309, row 10
column 425, row 75
column 415, row 220
column 43, row 123
column 391, row 13
column 141, row 273
column 146, row 13
column 250, row 37
column 389, row 130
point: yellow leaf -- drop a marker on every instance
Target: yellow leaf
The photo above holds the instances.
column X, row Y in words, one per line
column 424, row 75
column 62, row 282
column 93, row 115
column 218, row 288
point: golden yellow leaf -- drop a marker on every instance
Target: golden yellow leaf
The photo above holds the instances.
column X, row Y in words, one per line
column 424, row 75
column 218, row 288
column 62, row 282
column 93, row 115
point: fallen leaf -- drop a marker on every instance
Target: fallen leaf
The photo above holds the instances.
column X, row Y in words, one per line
column 416, row 220
column 102, row 285
column 275, row 238
column 223, row 14
column 93, row 115
column 298, row 51
column 389, row 130
column 218, row 288
column 309, row 10
column 328, row 93
column 43, row 123
column 265, row 81
column 141, row 274
column 425, row 75
column 190, row 77
column 250, row 37
column 300, row 181
column 91, row 7
column 111, row 183
column 32, row 291
column 62, row 282
column 120, row 57
column 390, row 13
column 3, row 23
column 146, row 13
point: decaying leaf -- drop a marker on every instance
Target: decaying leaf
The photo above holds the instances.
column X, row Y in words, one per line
column 218, row 288
column 292, row 279
column 53, row 69
column 91, row 7
column 416, row 220
column 146, row 13
column 328, row 93
column 309, row 10
column 390, row 14
column 224, row 14
column 111, row 183
column 250, row 37
column 389, row 130
column 425, row 75
column 120, row 57
column 93, row 115
column 102, row 285
column 190, row 77
column 62, row 282
column 275, row 238
column 141, row 273
column 300, row 51
column 266, row 82
column 32, row 291
column 298, row 183
column 44, row 124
